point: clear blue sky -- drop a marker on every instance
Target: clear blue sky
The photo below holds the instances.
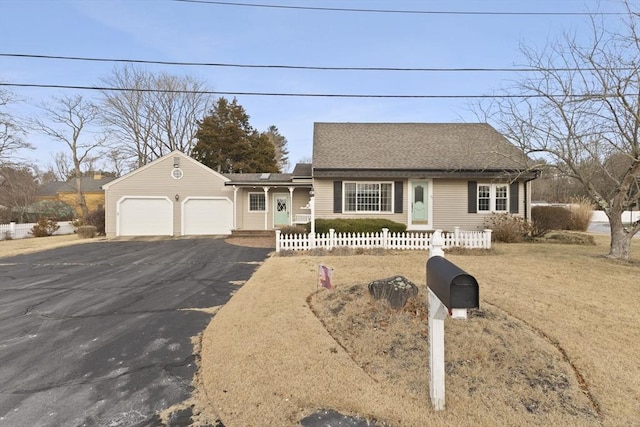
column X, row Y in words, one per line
column 166, row 30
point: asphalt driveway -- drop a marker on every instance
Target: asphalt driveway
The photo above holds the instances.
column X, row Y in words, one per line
column 99, row 333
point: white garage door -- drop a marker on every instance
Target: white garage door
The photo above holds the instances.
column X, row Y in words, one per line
column 145, row 217
column 202, row 216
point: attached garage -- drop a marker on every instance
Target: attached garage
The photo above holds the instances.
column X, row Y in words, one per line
column 145, row 216
column 172, row 196
column 207, row 216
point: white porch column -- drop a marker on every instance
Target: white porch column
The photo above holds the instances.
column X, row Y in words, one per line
column 290, row 207
column 312, row 231
column 235, row 206
column 266, row 207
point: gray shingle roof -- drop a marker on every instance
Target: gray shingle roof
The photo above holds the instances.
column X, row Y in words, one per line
column 258, row 177
column 415, row 146
column 88, row 183
column 302, row 170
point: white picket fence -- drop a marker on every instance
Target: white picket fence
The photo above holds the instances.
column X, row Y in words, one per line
column 383, row 239
column 20, row 231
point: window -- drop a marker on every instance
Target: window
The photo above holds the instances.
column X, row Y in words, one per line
column 368, row 196
column 257, row 202
column 493, row 197
column 177, row 173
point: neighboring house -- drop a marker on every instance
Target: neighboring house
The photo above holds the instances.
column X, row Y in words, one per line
column 426, row 176
column 66, row 192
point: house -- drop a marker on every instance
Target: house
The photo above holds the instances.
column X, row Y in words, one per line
column 66, row 192
column 424, row 175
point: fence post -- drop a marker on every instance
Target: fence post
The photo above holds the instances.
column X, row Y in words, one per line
column 278, row 232
column 456, row 236
column 487, row 238
column 385, row 236
column 436, row 244
column 332, row 237
column 311, row 240
column 12, row 230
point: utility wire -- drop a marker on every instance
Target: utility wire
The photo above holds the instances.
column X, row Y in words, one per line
column 303, row 95
column 294, row 67
column 414, row 12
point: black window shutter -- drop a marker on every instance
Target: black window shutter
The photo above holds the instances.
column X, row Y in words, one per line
column 397, row 203
column 472, row 197
column 513, row 197
column 337, row 196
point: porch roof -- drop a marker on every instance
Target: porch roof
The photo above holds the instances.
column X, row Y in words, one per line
column 266, row 180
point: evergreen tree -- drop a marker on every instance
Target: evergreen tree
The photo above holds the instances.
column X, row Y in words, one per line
column 228, row 143
column 280, row 145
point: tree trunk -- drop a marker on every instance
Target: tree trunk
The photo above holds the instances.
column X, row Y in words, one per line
column 620, row 247
column 80, row 199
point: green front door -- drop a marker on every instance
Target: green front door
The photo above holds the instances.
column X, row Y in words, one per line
column 419, row 203
column 281, row 210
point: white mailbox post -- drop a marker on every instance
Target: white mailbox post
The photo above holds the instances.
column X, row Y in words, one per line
column 451, row 292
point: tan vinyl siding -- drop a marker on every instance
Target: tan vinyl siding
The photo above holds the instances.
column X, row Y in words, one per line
column 324, row 202
column 300, row 199
column 251, row 220
column 255, row 220
column 156, row 180
column 450, row 206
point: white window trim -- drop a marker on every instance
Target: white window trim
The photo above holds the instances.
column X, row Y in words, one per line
column 261, row 193
column 492, row 198
column 356, row 212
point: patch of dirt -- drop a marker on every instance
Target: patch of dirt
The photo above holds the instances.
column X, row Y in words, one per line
column 252, row 242
column 492, row 360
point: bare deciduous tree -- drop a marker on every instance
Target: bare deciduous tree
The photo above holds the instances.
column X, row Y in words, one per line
column 153, row 114
column 11, row 131
column 68, row 121
column 583, row 112
column 17, row 189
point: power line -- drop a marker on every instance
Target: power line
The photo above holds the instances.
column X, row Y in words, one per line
column 294, row 67
column 413, row 12
column 300, row 95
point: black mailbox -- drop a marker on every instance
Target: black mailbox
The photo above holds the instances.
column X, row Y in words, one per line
column 454, row 287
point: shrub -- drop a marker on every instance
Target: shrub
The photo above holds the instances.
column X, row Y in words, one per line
column 508, row 228
column 97, row 219
column 357, row 225
column 50, row 209
column 546, row 218
column 581, row 211
column 87, row 231
column 570, row 238
column 293, row 229
column 44, row 227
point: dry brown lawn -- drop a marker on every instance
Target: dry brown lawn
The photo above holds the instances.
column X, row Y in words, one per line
column 556, row 342
column 35, row 244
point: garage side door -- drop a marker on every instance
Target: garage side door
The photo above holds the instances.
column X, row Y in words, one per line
column 207, row 216
column 145, row 217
